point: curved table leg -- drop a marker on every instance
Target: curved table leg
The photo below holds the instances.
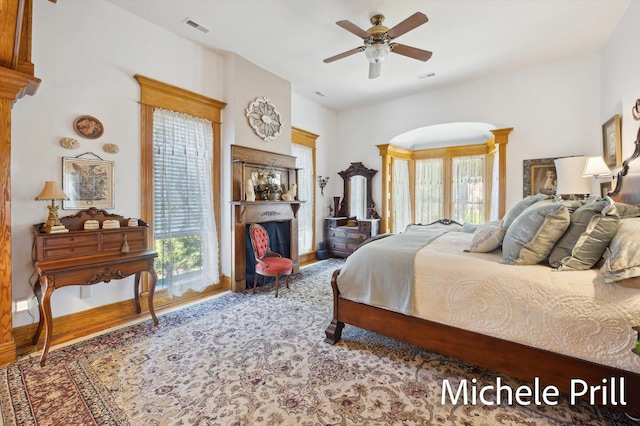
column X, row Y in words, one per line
column 48, row 318
column 37, row 289
column 136, row 292
column 152, row 289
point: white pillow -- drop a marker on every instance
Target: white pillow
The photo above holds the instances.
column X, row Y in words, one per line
column 487, row 237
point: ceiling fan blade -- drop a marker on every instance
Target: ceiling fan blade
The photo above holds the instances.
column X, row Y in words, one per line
column 408, row 24
column 374, row 69
column 344, row 54
column 411, row 52
column 353, row 28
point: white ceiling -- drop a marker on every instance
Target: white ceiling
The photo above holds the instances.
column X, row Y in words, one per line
column 470, row 39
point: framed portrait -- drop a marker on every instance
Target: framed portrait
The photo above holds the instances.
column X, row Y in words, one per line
column 612, row 142
column 87, row 183
column 88, row 127
column 539, row 176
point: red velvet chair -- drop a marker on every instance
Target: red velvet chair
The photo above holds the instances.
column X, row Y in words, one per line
column 268, row 263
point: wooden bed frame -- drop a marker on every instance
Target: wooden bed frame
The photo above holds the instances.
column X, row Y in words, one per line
column 517, row 360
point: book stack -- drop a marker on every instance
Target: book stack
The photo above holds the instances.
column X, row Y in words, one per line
column 91, row 224
column 110, row 224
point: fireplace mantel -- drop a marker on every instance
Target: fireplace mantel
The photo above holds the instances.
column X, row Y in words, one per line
column 247, row 212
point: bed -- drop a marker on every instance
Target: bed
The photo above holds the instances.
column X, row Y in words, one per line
column 528, row 321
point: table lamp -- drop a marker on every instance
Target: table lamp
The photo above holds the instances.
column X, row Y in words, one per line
column 596, row 167
column 570, row 179
column 53, row 192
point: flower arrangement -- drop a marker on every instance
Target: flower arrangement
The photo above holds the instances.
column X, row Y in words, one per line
column 266, row 183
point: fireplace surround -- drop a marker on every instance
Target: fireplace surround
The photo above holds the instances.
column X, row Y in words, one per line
column 245, row 163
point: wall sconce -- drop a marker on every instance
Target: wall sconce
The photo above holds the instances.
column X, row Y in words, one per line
column 323, row 182
column 53, row 192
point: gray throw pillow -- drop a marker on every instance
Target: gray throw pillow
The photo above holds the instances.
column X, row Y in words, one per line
column 517, row 209
column 591, row 228
column 533, row 233
column 622, row 257
column 626, row 211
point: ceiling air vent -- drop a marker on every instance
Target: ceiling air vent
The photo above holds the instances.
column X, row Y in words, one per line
column 195, row 25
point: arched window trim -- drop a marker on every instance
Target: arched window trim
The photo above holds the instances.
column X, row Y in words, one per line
column 495, row 145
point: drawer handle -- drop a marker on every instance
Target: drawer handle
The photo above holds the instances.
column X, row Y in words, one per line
column 72, row 239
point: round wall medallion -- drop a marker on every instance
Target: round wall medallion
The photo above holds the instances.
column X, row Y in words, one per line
column 88, row 127
column 265, row 119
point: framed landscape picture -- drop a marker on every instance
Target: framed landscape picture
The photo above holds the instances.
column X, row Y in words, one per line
column 612, row 142
column 539, row 176
column 87, row 183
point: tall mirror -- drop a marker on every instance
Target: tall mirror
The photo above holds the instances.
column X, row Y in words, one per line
column 357, row 200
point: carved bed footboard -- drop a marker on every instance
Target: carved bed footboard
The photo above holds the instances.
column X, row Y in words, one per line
column 513, row 359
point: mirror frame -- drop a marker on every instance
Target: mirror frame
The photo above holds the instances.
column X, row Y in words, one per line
column 358, row 169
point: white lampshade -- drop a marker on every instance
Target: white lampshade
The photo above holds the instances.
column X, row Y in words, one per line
column 595, row 166
column 377, row 53
column 570, row 180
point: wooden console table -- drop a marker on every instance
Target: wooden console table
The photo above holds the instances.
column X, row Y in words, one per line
column 87, row 257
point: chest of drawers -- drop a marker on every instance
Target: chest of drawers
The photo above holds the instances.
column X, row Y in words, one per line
column 341, row 240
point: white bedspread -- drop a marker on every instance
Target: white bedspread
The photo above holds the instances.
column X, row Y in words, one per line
column 568, row 312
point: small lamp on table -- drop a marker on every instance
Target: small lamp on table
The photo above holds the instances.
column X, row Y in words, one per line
column 53, row 192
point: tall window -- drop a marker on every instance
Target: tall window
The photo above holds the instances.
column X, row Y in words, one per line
column 180, row 191
column 429, row 190
column 468, row 192
column 185, row 230
column 401, row 195
column 304, row 162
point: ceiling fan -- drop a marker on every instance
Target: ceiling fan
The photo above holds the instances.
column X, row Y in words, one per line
column 377, row 41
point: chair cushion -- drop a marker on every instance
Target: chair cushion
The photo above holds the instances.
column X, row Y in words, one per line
column 275, row 266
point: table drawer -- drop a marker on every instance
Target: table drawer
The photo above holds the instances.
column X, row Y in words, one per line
column 334, row 233
column 70, row 240
column 365, row 226
column 359, row 236
column 113, row 241
column 71, row 251
column 339, row 245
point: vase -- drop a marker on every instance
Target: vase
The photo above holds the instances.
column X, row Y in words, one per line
column 273, row 196
column 336, row 206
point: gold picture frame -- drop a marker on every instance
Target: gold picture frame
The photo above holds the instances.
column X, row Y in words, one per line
column 612, row 142
column 539, row 176
column 87, row 183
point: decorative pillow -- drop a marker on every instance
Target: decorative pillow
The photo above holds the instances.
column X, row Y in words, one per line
column 573, row 205
column 487, row 237
column 533, row 233
column 626, row 211
column 469, row 228
column 519, row 207
column 630, row 282
column 591, row 228
column 622, row 257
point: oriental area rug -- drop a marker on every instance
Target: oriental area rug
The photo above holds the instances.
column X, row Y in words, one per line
column 253, row 359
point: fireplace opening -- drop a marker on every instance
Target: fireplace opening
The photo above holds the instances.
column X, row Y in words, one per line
column 279, row 241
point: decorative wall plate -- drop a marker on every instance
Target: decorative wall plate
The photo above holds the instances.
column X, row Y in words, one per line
column 88, row 127
column 265, row 119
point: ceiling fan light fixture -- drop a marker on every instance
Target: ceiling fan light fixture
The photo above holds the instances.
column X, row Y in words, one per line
column 377, row 53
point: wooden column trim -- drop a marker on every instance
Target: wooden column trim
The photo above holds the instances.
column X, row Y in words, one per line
column 502, row 139
column 13, row 85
